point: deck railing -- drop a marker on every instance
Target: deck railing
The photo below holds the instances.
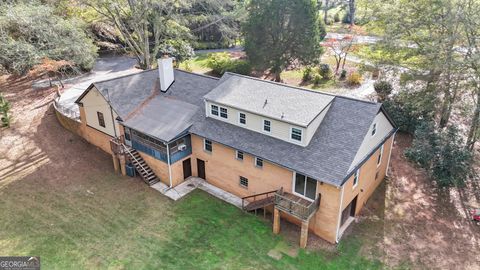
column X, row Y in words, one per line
column 296, row 206
column 116, row 144
column 257, row 197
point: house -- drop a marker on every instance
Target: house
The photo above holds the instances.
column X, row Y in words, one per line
column 312, row 158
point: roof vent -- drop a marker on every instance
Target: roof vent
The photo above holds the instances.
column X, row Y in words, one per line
column 165, row 72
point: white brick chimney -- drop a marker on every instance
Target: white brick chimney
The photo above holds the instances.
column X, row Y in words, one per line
column 165, row 72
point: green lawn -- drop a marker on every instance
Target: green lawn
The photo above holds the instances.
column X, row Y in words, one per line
column 113, row 222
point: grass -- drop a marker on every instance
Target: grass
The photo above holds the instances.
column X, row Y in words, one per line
column 111, row 222
column 197, row 64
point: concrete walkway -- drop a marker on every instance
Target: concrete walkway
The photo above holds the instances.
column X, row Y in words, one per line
column 193, row 183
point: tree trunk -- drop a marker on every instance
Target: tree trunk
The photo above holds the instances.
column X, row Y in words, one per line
column 473, row 132
column 325, row 12
column 351, row 5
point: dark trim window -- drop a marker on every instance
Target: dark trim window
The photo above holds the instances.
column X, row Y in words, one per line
column 258, row 162
column 242, row 118
column 127, row 134
column 355, row 177
column 296, row 134
column 243, row 182
column 267, row 125
column 374, row 128
column 101, row 119
column 379, row 160
column 305, row 186
column 214, row 110
column 223, row 112
column 239, row 155
column 207, row 145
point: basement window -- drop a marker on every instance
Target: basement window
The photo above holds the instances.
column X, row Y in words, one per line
column 214, row 110
column 243, row 182
column 207, row 145
column 101, row 119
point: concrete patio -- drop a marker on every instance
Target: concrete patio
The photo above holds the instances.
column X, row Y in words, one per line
column 193, row 183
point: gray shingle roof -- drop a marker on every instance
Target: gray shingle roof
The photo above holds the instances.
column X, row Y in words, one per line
column 328, row 156
column 270, row 99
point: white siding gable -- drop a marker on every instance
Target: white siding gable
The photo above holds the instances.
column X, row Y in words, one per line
column 94, row 102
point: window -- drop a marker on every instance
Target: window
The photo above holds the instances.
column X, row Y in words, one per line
column 296, row 134
column 127, row 134
column 374, row 128
column 267, row 125
column 258, row 162
column 223, row 112
column 101, row 120
column 207, row 144
column 214, row 110
column 239, row 155
column 305, row 186
column 379, row 160
column 242, row 118
column 355, row 178
column 243, row 182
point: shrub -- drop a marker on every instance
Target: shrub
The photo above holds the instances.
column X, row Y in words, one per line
column 354, row 78
column 336, row 18
column 441, row 153
column 383, row 89
column 307, row 74
column 325, row 71
column 5, row 118
column 343, row 74
column 221, row 63
column 317, row 79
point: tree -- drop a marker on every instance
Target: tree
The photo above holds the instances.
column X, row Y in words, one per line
column 351, row 12
column 145, row 25
column 340, row 48
column 383, row 89
column 31, row 32
column 278, row 32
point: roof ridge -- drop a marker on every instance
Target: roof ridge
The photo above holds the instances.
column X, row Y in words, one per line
column 197, row 74
column 123, row 76
column 301, row 88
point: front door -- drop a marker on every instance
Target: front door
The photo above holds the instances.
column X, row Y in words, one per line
column 201, row 168
column 187, row 168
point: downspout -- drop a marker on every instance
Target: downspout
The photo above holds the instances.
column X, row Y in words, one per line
column 339, row 215
column 390, row 154
column 169, row 167
column 111, row 114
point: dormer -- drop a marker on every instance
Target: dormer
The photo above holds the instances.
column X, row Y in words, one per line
column 284, row 112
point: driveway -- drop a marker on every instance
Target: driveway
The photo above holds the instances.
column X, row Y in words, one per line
column 105, row 68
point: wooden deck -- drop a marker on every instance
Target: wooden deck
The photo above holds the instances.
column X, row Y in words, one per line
column 295, row 205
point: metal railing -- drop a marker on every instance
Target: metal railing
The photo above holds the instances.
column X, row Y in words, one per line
column 299, row 210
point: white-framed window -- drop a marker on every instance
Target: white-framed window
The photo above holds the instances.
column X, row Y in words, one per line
column 239, row 155
column 243, row 182
column 356, row 175
column 242, row 118
column 223, row 112
column 214, row 110
column 267, row 125
column 296, row 134
column 380, row 154
column 374, row 129
column 305, row 186
column 258, row 162
column 207, row 145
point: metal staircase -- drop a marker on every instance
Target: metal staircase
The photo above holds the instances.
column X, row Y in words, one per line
column 142, row 167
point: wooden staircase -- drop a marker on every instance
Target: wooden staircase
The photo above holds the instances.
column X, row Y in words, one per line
column 142, row 167
column 257, row 201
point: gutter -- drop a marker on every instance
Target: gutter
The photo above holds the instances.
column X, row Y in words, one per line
column 390, row 154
